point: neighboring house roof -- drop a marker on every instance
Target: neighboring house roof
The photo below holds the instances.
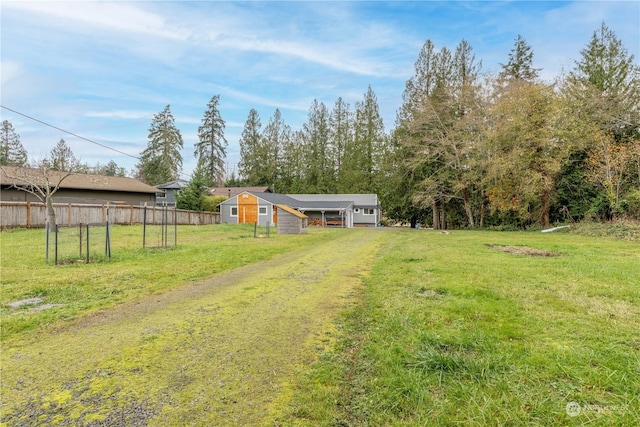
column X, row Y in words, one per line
column 292, row 211
column 323, row 205
column 11, row 175
column 234, row 191
column 358, row 200
column 178, row 184
column 276, row 198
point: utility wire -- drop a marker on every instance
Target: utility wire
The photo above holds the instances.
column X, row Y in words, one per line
column 78, row 136
column 70, row 133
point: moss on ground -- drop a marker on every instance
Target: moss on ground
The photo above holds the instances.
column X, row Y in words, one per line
column 225, row 351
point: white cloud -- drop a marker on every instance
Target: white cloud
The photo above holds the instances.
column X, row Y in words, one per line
column 259, row 100
column 11, row 71
column 119, row 114
column 327, row 55
column 116, row 16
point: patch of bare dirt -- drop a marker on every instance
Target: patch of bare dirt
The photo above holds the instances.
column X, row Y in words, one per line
column 522, row 250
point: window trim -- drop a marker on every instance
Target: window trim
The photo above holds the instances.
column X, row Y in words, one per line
column 231, row 211
column 368, row 211
column 266, row 210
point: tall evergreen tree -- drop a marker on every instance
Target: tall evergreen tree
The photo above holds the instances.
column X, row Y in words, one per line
column 193, row 196
column 12, row 153
column 341, row 137
column 161, row 161
column 362, row 156
column 520, row 64
column 211, row 150
column 420, row 85
column 319, row 175
column 272, row 141
column 606, row 83
column 251, row 155
column 460, row 146
column 401, row 171
column 293, row 163
column 604, row 89
column 423, row 126
column 62, row 158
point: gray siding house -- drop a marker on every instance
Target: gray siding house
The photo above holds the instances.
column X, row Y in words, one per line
column 169, row 191
column 339, row 210
column 358, row 210
column 249, row 207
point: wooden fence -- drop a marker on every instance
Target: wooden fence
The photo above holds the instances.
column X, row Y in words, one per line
column 33, row 214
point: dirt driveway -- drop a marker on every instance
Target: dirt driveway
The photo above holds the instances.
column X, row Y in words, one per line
column 225, row 351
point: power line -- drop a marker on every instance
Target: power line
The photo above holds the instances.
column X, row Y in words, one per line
column 78, row 136
column 70, row 133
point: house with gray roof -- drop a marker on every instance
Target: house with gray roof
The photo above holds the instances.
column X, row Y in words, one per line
column 74, row 188
column 234, row 191
column 356, row 210
column 169, row 191
column 339, row 210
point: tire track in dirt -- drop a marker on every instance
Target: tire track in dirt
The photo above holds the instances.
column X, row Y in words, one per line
column 224, row 351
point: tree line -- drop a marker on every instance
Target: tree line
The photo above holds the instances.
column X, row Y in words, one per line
column 468, row 148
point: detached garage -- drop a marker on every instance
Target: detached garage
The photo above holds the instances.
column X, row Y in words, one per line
column 290, row 221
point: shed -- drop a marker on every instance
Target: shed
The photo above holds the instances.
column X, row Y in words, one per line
column 290, row 221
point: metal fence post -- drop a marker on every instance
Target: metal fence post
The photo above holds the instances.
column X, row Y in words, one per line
column 56, row 255
column 144, row 226
column 87, row 243
column 46, row 243
column 107, row 244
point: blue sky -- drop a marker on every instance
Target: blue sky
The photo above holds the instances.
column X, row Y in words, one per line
column 102, row 69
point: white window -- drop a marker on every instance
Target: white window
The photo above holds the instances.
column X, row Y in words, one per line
column 356, row 210
column 160, row 195
column 234, row 211
column 262, row 210
column 368, row 211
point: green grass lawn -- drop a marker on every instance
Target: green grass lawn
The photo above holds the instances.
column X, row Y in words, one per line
column 79, row 288
column 444, row 329
column 449, row 331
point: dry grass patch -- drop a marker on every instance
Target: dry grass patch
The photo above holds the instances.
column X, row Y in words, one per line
column 522, row 250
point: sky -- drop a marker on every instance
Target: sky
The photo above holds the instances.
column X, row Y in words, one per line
column 99, row 71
